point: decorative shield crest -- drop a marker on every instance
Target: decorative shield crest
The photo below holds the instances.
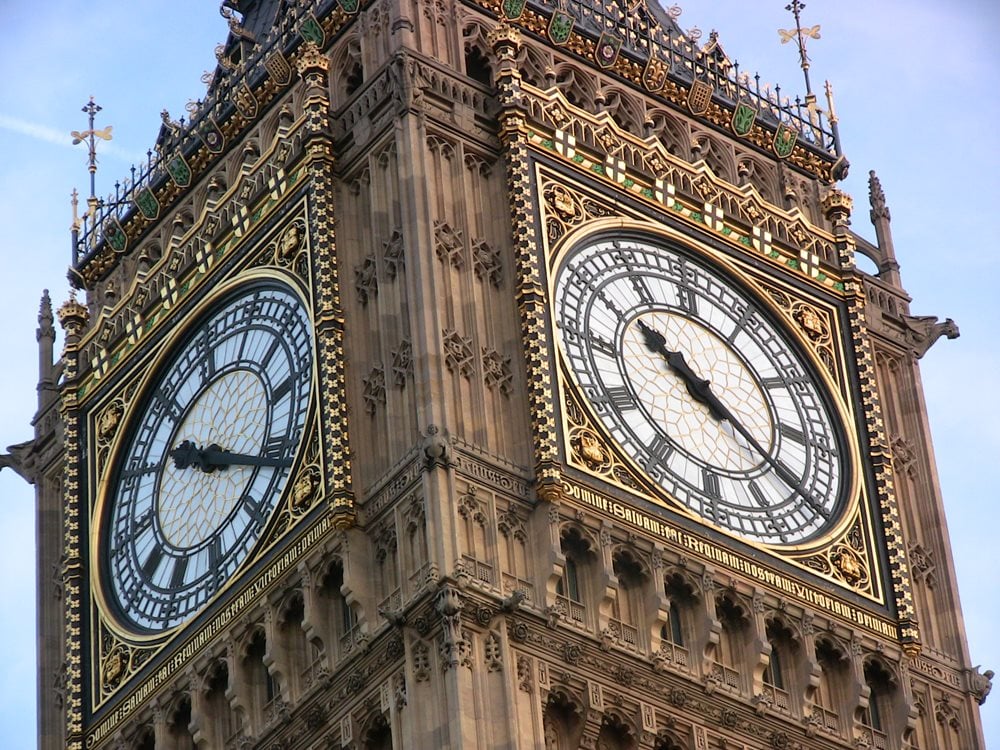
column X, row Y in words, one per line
column 349, row 6
column 245, row 101
column 699, row 97
column 743, row 119
column 210, row 134
column 311, row 31
column 784, row 140
column 179, row 171
column 560, row 27
column 278, row 68
column 655, row 74
column 513, row 8
column 146, row 202
column 115, row 235
column 607, row 49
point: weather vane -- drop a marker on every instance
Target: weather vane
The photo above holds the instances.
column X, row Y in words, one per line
column 90, row 136
column 800, row 34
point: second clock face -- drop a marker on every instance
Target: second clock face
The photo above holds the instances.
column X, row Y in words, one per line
column 208, row 456
column 698, row 385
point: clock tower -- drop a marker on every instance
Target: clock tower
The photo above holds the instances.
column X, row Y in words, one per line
column 491, row 375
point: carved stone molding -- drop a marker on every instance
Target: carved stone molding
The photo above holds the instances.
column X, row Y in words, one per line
column 497, row 372
column 492, row 652
column 471, row 507
column 454, row 645
column 393, row 254
column 486, row 262
column 366, row 279
column 922, row 564
column 373, row 392
column 449, row 245
column 402, row 363
column 421, row 661
column 458, row 353
column 904, row 456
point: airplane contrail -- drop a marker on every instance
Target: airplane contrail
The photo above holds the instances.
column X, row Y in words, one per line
column 58, row 138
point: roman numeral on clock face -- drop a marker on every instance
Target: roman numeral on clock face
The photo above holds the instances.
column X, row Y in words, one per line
column 758, row 495
column 660, row 450
column 275, row 447
column 601, row 345
column 687, row 299
column 792, row 433
column 620, row 398
column 710, row 481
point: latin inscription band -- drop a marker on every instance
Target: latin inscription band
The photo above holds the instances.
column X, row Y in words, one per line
column 184, row 655
column 731, row 560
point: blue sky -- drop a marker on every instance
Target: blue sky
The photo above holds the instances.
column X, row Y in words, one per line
column 915, row 87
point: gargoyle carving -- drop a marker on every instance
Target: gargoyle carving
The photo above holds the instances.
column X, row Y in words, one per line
column 923, row 330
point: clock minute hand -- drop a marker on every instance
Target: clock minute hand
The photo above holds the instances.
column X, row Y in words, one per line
column 701, row 390
column 214, row 457
column 218, row 458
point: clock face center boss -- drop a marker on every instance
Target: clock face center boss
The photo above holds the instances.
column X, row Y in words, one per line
column 207, row 456
column 702, row 389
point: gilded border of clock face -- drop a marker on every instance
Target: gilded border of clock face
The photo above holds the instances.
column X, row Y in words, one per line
column 810, row 483
column 238, row 396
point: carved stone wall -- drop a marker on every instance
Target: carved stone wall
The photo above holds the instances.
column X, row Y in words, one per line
column 475, row 596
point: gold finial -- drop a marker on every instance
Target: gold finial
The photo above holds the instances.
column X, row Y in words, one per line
column 73, row 316
column 74, row 200
column 831, row 112
column 89, row 137
column 800, row 34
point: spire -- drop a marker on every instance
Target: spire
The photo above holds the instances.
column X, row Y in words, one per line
column 876, row 197
column 888, row 267
column 46, row 336
column 89, row 137
column 799, row 35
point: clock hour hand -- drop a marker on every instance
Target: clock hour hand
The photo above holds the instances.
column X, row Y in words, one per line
column 701, row 390
column 214, row 457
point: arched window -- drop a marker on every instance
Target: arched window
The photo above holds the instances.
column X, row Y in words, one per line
column 878, row 714
column 779, row 677
column 514, row 563
column 832, row 690
column 572, row 590
column 145, row 740
column 292, row 640
column 628, row 613
column 774, row 672
column 379, row 735
column 218, row 725
column 477, row 66
column 729, row 654
column 261, row 687
column 561, row 721
column 674, row 636
column 341, row 618
column 178, row 726
column 675, row 628
column 614, row 735
column 477, row 549
column 416, row 563
column 387, row 561
column 569, row 584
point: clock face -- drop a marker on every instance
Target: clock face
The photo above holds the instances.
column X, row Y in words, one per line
column 207, row 456
column 702, row 389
